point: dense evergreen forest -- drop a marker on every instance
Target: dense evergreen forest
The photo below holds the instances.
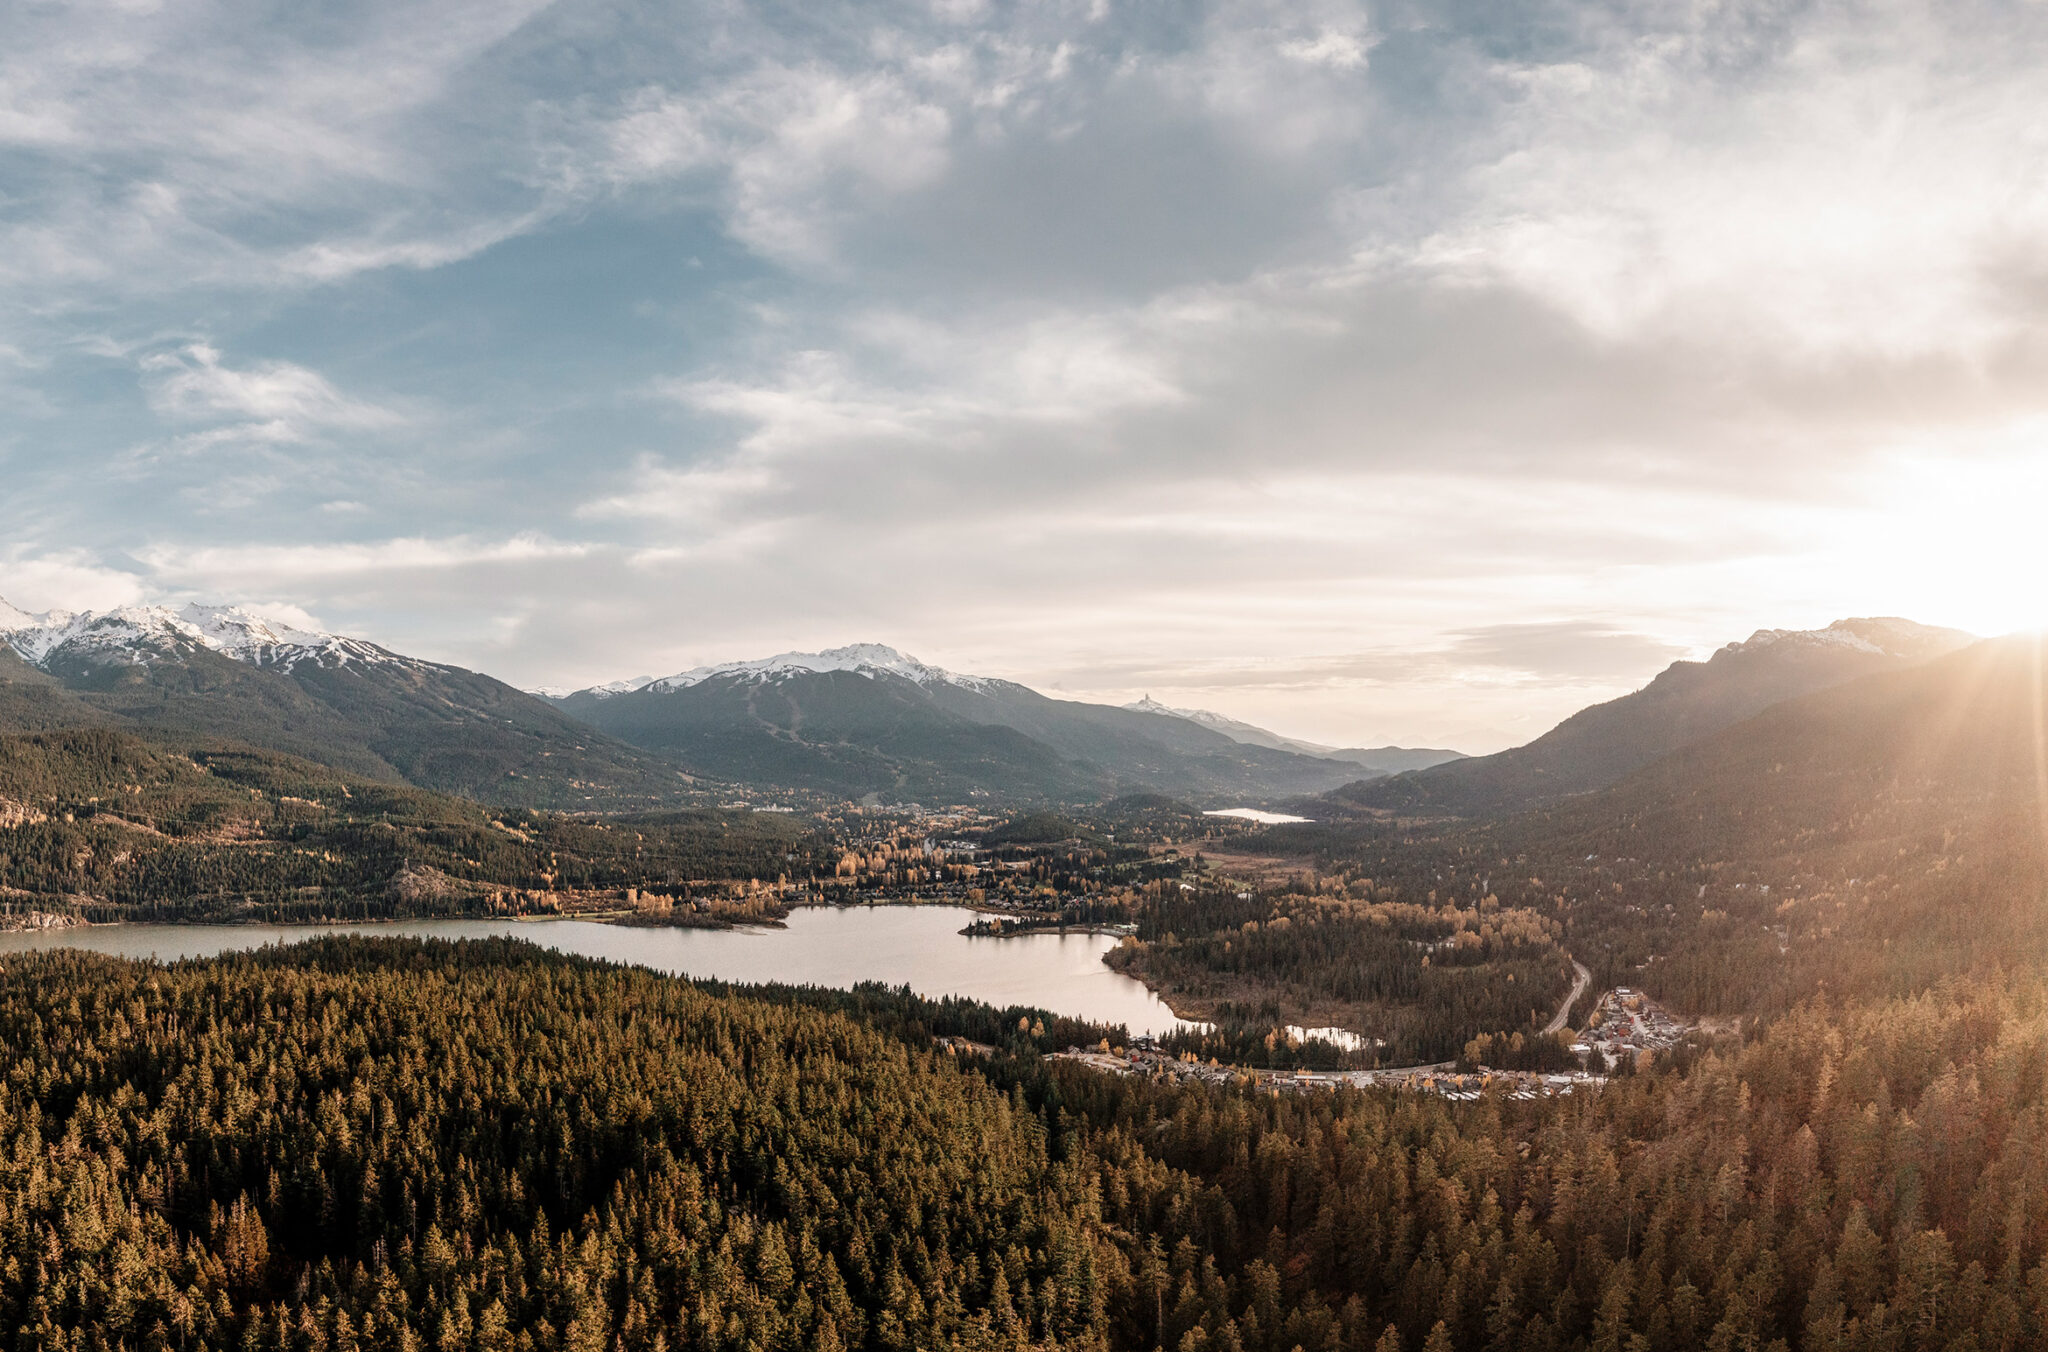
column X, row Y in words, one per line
column 1423, row 978
column 378, row 1144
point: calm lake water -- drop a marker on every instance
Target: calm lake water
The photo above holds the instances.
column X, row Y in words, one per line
column 918, row 946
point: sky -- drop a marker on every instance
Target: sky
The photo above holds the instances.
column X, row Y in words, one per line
column 1406, row 372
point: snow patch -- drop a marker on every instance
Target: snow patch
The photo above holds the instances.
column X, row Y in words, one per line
column 1232, row 728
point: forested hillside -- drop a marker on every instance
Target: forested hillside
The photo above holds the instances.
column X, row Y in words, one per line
column 31, row 701
column 892, row 727
column 362, row 1144
column 1686, row 702
column 108, row 825
column 1421, row 978
column 207, row 674
column 433, row 727
column 1869, row 840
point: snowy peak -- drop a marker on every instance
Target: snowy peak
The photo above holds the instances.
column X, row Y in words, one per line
column 1148, row 705
column 558, row 693
column 12, row 619
column 863, row 659
column 1884, row 636
column 1235, row 729
column 148, row 634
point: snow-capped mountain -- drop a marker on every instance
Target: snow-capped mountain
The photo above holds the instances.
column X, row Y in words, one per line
column 863, row 659
column 140, row 635
column 1879, row 637
column 1235, row 729
column 229, row 673
column 869, row 718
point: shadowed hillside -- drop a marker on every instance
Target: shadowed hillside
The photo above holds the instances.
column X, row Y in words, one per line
column 1687, row 701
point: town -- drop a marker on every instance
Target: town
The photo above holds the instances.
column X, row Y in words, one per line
column 1628, row 1024
column 1145, row 1058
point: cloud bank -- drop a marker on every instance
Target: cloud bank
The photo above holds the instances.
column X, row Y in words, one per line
column 1405, row 371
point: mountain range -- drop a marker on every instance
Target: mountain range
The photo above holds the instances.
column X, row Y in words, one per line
column 1918, row 758
column 850, row 722
column 1880, row 836
column 846, row 723
column 867, row 719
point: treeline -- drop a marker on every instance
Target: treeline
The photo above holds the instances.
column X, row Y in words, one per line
column 367, row 1145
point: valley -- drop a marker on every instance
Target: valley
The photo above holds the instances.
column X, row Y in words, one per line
column 1667, row 1054
column 1413, row 933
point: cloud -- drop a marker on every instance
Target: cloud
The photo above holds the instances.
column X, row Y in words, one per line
column 273, row 402
column 796, row 148
column 176, row 146
column 1577, row 649
column 1388, row 372
column 1328, row 48
column 36, row 578
column 279, row 565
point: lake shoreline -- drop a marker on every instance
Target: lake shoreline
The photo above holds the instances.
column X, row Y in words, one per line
column 896, row 944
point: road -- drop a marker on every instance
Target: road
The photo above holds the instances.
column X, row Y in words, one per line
column 1564, row 1011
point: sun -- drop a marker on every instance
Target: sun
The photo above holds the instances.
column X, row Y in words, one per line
column 1960, row 540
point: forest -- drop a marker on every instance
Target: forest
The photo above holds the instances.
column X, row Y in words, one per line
column 358, row 1144
column 1420, row 978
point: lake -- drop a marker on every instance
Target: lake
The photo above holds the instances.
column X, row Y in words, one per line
column 917, row 946
column 1252, row 814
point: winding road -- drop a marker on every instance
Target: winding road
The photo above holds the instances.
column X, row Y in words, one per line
column 1564, row 1011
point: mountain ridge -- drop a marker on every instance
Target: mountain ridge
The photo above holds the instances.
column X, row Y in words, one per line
column 867, row 718
column 1688, row 700
column 226, row 674
column 1381, row 760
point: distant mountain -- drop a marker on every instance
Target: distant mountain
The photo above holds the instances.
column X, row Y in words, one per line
column 1687, row 701
column 868, row 719
column 1377, row 760
column 228, row 674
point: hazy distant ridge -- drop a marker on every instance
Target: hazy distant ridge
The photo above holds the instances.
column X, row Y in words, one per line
column 1379, row 760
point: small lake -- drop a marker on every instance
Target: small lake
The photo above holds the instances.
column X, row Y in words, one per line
column 1252, row 814
column 917, row 946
